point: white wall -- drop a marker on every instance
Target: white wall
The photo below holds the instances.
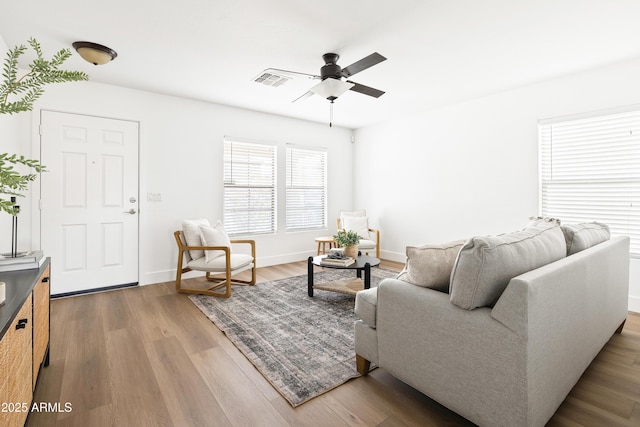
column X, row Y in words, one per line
column 471, row 168
column 181, row 158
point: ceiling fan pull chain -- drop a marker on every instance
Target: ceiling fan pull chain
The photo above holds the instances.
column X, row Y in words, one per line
column 331, row 114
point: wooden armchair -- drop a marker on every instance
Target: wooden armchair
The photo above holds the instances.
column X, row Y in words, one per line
column 226, row 265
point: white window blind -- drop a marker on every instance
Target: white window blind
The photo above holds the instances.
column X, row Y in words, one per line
column 306, row 195
column 590, row 171
column 249, row 187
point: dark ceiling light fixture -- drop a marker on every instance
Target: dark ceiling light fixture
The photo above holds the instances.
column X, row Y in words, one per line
column 94, row 53
column 333, row 77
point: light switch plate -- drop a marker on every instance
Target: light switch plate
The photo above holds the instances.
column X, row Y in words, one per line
column 154, row 197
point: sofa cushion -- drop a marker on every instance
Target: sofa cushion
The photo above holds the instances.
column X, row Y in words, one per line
column 430, row 265
column 365, row 307
column 486, row 264
column 584, row 235
column 214, row 236
column 191, row 231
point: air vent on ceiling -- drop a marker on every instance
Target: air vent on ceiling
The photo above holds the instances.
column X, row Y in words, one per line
column 271, row 79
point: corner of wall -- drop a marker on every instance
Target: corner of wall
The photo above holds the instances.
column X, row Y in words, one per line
column 634, row 304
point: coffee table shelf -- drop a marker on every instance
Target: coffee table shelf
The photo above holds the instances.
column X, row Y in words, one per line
column 363, row 263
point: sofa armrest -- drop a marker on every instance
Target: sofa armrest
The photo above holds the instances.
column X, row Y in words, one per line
column 566, row 312
column 591, row 284
column 437, row 347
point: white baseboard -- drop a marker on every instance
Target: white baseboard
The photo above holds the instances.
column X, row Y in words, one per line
column 634, row 304
column 393, row 256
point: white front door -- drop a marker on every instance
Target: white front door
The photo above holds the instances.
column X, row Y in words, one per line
column 89, row 201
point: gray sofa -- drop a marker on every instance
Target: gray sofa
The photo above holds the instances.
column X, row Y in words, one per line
column 510, row 361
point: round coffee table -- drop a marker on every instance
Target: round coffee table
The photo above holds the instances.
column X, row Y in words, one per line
column 363, row 263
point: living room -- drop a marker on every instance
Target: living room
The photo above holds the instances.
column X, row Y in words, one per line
column 465, row 163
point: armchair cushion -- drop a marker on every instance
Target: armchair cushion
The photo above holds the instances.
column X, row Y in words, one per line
column 237, row 262
column 584, row 235
column 191, row 232
column 366, row 244
column 430, row 266
column 214, row 236
column 359, row 224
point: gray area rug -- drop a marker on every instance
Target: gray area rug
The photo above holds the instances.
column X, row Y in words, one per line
column 303, row 346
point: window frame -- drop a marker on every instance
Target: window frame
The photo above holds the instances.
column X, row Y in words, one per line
column 309, row 215
column 589, row 170
column 250, row 222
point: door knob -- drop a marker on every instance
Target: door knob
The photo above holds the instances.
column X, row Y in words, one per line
column 131, row 211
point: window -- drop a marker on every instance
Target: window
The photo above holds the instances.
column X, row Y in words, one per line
column 590, row 171
column 249, row 187
column 306, row 188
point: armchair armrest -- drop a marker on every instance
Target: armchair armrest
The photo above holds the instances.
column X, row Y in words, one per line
column 377, row 233
column 252, row 243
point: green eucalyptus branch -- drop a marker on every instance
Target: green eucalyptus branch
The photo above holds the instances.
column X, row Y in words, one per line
column 41, row 72
column 12, row 183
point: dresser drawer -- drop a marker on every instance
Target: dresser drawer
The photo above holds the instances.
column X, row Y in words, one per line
column 16, row 368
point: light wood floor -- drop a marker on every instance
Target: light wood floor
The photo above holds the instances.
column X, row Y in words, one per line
column 147, row 356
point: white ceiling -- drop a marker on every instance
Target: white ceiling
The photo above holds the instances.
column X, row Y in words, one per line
column 439, row 51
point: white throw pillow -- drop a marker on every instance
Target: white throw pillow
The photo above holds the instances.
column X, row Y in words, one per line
column 190, row 229
column 214, row 236
column 359, row 224
column 360, row 212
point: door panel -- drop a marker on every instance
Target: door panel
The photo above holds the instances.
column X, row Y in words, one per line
column 89, row 208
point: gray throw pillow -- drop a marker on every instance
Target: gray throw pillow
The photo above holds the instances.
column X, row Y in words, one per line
column 486, row 264
column 430, row 265
column 584, row 235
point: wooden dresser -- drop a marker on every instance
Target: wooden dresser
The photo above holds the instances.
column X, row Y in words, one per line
column 24, row 340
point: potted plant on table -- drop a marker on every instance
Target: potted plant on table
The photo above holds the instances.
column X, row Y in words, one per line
column 349, row 240
column 18, row 93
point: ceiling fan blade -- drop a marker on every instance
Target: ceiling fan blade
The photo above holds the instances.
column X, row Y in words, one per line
column 363, row 64
column 357, row 87
column 303, row 97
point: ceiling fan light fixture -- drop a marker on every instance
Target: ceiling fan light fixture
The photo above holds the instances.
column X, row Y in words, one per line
column 94, row 53
column 331, row 88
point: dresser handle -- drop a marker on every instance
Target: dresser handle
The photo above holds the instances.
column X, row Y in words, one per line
column 22, row 324
column 45, row 279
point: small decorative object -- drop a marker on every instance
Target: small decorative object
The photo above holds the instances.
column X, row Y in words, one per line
column 336, row 254
column 348, row 239
column 14, row 228
column 3, row 293
column 545, row 218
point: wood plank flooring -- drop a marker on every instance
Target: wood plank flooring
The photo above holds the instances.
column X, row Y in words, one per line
column 147, row 356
